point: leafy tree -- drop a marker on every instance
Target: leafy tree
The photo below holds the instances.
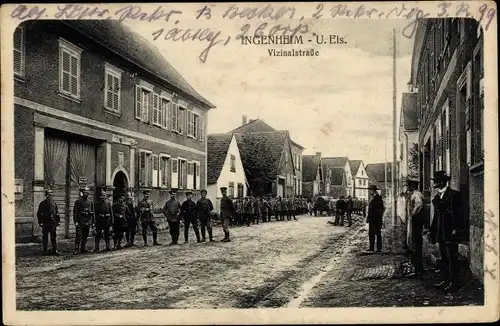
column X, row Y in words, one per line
column 413, row 161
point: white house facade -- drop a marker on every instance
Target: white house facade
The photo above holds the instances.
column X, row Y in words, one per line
column 360, row 179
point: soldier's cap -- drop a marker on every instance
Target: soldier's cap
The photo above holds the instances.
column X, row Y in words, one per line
column 441, row 176
column 48, row 191
column 145, row 192
column 203, row 191
column 86, row 189
column 173, row 192
column 188, row 193
column 372, row 187
column 223, row 188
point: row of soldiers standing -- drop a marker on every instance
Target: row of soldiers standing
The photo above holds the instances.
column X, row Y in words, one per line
column 251, row 210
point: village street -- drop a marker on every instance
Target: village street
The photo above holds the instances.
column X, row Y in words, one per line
column 279, row 264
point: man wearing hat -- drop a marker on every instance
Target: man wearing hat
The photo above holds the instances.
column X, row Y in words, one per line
column 83, row 217
column 131, row 217
column 171, row 210
column 48, row 219
column 103, row 220
column 204, row 207
column 349, row 206
column 416, row 223
column 146, row 210
column 226, row 212
column 119, row 221
column 375, row 215
column 447, row 229
column 188, row 212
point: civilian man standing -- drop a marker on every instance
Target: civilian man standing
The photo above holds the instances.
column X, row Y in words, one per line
column 226, row 212
column 48, row 219
column 375, row 214
column 447, row 229
column 417, row 222
column 204, row 208
column 172, row 210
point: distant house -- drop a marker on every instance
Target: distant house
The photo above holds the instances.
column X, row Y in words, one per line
column 360, row 179
column 378, row 172
column 408, row 140
column 312, row 175
column 340, row 162
column 338, row 182
column 267, row 161
column 225, row 168
column 259, row 125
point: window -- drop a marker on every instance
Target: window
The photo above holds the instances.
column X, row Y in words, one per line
column 142, row 102
column 19, row 51
column 175, row 173
column 196, row 175
column 156, row 118
column 165, row 172
column 69, row 69
column 233, row 163
column 145, row 168
column 240, row 190
column 112, row 88
column 231, row 189
column 201, row 123
column 192, row 124
column 182, row 121
column 183, row 173
column 196, row 126
column 174, row 110
column 155, row 170
column 165, row 113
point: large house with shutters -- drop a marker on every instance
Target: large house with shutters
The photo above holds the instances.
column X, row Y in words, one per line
column 337, row 162
column 95, row 104
column 360, row 179
column 312, row 176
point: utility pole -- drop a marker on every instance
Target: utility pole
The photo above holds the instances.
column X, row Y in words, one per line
column 394, row 132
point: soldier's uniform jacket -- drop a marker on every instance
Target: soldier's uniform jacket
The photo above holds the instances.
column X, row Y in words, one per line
column 249, row 206
column 47, row 212
column 278, row 205
column 284, row 204
column 265, row 206
column 237, row 206
column 172, row 209
column 188, row 209
column 375, row 210
column 145, row 210
column 203, row 208
column 272, row 204
column 120, row 210
column 257, row 206
column 83, row 211
column 130, row 213
column 226, row 208
column 103, row 210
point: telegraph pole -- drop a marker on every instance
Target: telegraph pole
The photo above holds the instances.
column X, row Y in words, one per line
column 394, row 132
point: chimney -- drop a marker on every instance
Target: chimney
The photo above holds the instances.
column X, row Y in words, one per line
column 244, row 120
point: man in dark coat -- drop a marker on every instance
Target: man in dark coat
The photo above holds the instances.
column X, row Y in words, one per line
column 103, row 220
column 188, row 212
column 83, row 217
column 339, row 211
column 375, row 215
column 171, row 210
column 145, row 210
column 448, row 228
column 48, row 219
column 226, row 212
column 349, row 206
column 131, row 216
column 204, row 208
column 417, row 221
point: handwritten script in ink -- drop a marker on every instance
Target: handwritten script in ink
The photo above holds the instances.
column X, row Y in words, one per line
column 490, row 242
column 257, row 19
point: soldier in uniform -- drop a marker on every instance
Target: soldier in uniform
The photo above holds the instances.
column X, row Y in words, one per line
column 145, row 210
column 119, row 221
column 131, row 217
column 204, row 208
column 172, row 210
column 339, row 214
column 249, row 210
column 237, row 207
column 349, row 205
column 257, row 207
column 226, row 211
column 188, row 212
column 83, row 217
column 281, row 208
column 375, row 214
column 48, row 219
column 103, row 220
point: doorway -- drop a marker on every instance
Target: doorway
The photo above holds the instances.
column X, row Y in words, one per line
column 120, row 185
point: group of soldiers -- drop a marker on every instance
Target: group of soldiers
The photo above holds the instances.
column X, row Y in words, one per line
column 251, row 210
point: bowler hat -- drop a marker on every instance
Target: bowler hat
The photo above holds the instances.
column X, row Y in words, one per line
column 372, row 187
column 203, row 191
column 441, row 176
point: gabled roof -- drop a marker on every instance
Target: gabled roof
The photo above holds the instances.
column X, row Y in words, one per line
column 261, row 152
column 378, row 171
column 409, row 111
column 371, row 179
column 338, row 175
column 334, row 162
column 217, row 148
column 258, row 125
column 354, row 165
column 310, row 164
column 136, row 49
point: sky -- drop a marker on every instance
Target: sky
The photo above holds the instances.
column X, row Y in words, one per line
column 339, row 103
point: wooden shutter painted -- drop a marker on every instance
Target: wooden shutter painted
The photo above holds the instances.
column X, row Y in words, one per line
column 175, row 173
column 202, row 128
column 18, row 51
column 190, row 177
column 155, row 117
column 155, row 171
column 138, row 102
column 197, row 176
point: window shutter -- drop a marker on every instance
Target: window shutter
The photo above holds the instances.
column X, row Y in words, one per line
column 18, row 51
column 175, row 173
column 138, row 102
column 149, row 168
column 142, row 168
column 65, row 71
column 190, row 179
column 202, row 128
column 164, row 113
column 155, row 171
column 109, row 91
column 116, row 95
column 155, row 116
column 197, row 176
column 74, row 75
column 161, row 172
